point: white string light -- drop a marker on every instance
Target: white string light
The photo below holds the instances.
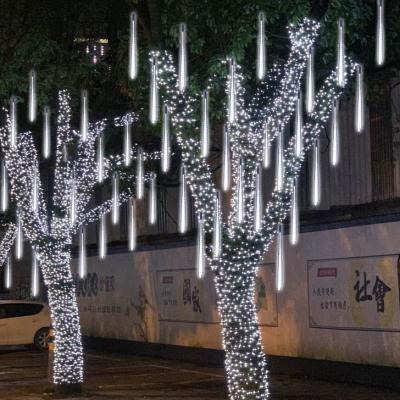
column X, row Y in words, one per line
column 32, row 104
column 261, row 47
column 14, row 121
column 4, row 188
column 310, row 82
column 217, row 228
column 115, row 199
column 340, row 67
column 232, row 91
column 316, row 176
column 133, row 47
column 280, row 261
column 183, row 203
column 82, row 253
column 132, row 240
column 240, row 192
column 8, row 273
column 380, row 33
column 103, row 236
column 280, row 163
column 294, row 216
column 46, row 132
column 266, row 146
column 359, row 113
column 205, row 125
column 154, row 101
column 35, row 285
column 226, row 161
column 165, row 142
column 127, row 143
column 84, row 114
column 153, row 199
column 35, row 193
column 200, row 250
column 182, row 70
column 19, row 239
column 258, row 200
column 139, row 174
column 335, row 135
column 100, row 158
column 298, row 126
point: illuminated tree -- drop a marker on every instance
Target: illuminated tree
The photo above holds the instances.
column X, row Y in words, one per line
column 235, row 248
column 80, row 166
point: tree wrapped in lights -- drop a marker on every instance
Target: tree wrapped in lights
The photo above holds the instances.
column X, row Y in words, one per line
column 235, row 248
column 80, row 165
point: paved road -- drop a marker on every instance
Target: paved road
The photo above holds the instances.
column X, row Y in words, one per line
column 23, row 376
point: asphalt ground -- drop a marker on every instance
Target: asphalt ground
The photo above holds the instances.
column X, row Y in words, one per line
column 109, row 376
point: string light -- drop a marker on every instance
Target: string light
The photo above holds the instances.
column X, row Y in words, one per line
column 205, row 125
column 19, row 239
column 133, row 47
column 316, row 176
column 183, row 203
column 243, row 248
column 46, row 132
column 127, row 143
column 200, row 251
column 240, row 194
column 380, row 33
column 310, row 82
column 8, row 274
column 4, row 188
column 139, row 174
column 226, row 161
column 82, row 253
column 280, row 261
column 165, row 142
column 232, row 91
column 266, row 146
column 217, row 227
column 34, row 275
column 153, row 91
column 32, row 106
column 359, row 114
column 153, row 199
column 132, row 225
column 294, row 216
column 14, row 121
column 280, row 163
column 258, row 200
column 103, row 236
column 100, row 158
column 35, row 193
column 115, row 199
column 182, row 70
column 84, row 115
column 335, row 135
column 340, row 53
column 261, row 48
column 298, row 126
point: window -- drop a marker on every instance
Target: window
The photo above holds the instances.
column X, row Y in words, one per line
column 19, row 310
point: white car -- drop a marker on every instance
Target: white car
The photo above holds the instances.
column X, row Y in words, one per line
column 24, row 322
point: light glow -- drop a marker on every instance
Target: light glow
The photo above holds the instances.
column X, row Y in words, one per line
column 133, row 47
column 32, row 106
column 46, row 132
column 340, row 54
column 335, row 135
column 380, row 34
column 182, row 70
column 165, row 142
column 359, row 114
column 261, row 47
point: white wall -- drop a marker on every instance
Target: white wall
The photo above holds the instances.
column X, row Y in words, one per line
column 148, row 304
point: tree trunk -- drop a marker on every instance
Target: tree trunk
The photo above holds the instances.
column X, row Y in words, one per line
column 68, row 353
column 245, row 361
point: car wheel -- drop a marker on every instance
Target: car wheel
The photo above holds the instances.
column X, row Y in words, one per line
column 40, row 340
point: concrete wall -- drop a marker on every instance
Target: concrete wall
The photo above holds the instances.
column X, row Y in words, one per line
column 140, row 296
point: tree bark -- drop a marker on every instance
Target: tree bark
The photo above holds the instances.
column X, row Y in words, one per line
column 245, row 361
column 68, row 354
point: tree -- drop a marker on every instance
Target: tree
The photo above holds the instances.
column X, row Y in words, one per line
column 235, row 248
column 50, row 228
